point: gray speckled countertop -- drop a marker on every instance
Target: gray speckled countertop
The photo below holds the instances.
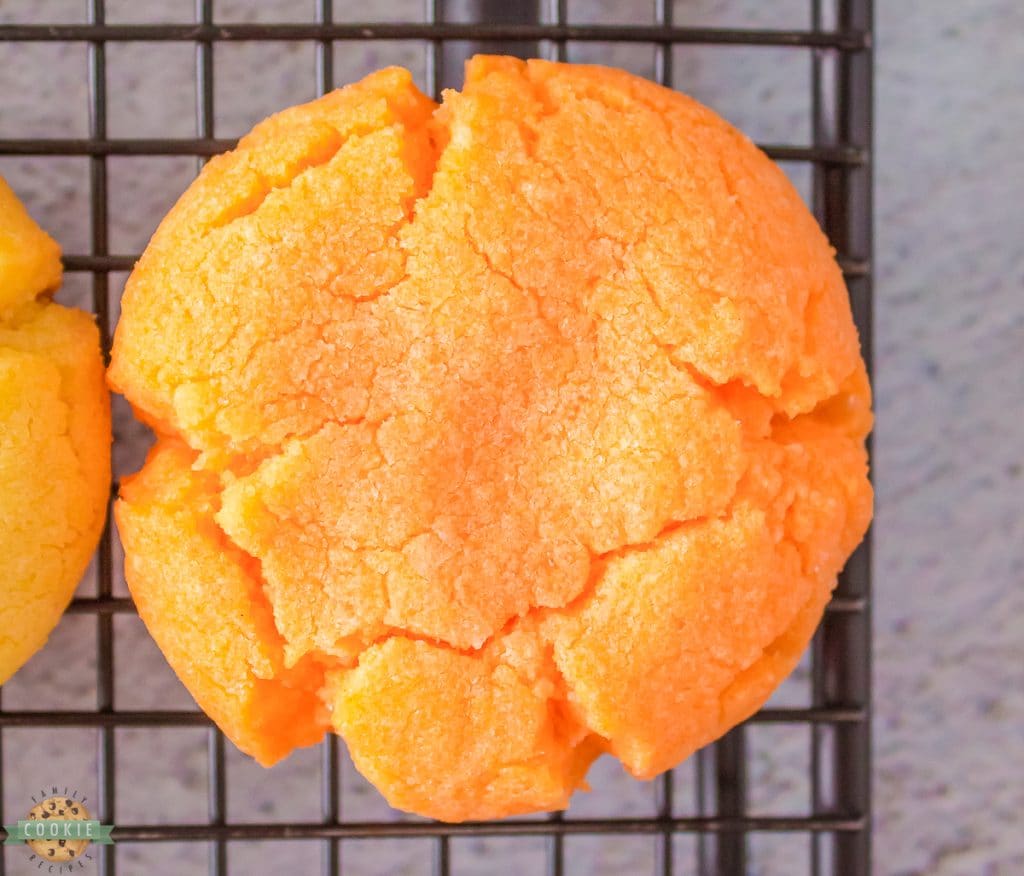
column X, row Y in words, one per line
column 949, row 534
column 949, row 612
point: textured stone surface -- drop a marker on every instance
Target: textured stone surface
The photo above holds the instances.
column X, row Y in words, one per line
column 949, row 617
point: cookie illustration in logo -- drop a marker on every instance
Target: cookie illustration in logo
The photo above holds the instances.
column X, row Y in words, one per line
column 66, row 809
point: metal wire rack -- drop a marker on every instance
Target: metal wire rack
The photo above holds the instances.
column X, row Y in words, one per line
column 837, row 45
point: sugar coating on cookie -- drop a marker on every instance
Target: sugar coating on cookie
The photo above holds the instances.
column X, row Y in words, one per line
column 54, row 439
column 492, row 436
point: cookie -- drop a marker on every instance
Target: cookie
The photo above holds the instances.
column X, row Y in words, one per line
column 54, row 439
column 66, row 809
column 492, row 436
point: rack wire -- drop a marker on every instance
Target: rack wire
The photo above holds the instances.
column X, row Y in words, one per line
column 838, row 47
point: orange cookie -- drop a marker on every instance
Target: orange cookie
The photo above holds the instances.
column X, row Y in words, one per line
column 54, row 439
column 492, row 436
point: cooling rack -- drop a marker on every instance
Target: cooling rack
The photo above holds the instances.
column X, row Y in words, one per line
column 836, row 44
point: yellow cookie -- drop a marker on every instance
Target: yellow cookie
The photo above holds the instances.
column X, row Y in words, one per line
column 54, row 439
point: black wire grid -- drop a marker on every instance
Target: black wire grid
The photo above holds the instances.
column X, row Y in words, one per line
column 838, row 47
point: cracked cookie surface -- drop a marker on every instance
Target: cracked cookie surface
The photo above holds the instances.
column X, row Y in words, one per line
column 54, row 439
column 492, row 435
